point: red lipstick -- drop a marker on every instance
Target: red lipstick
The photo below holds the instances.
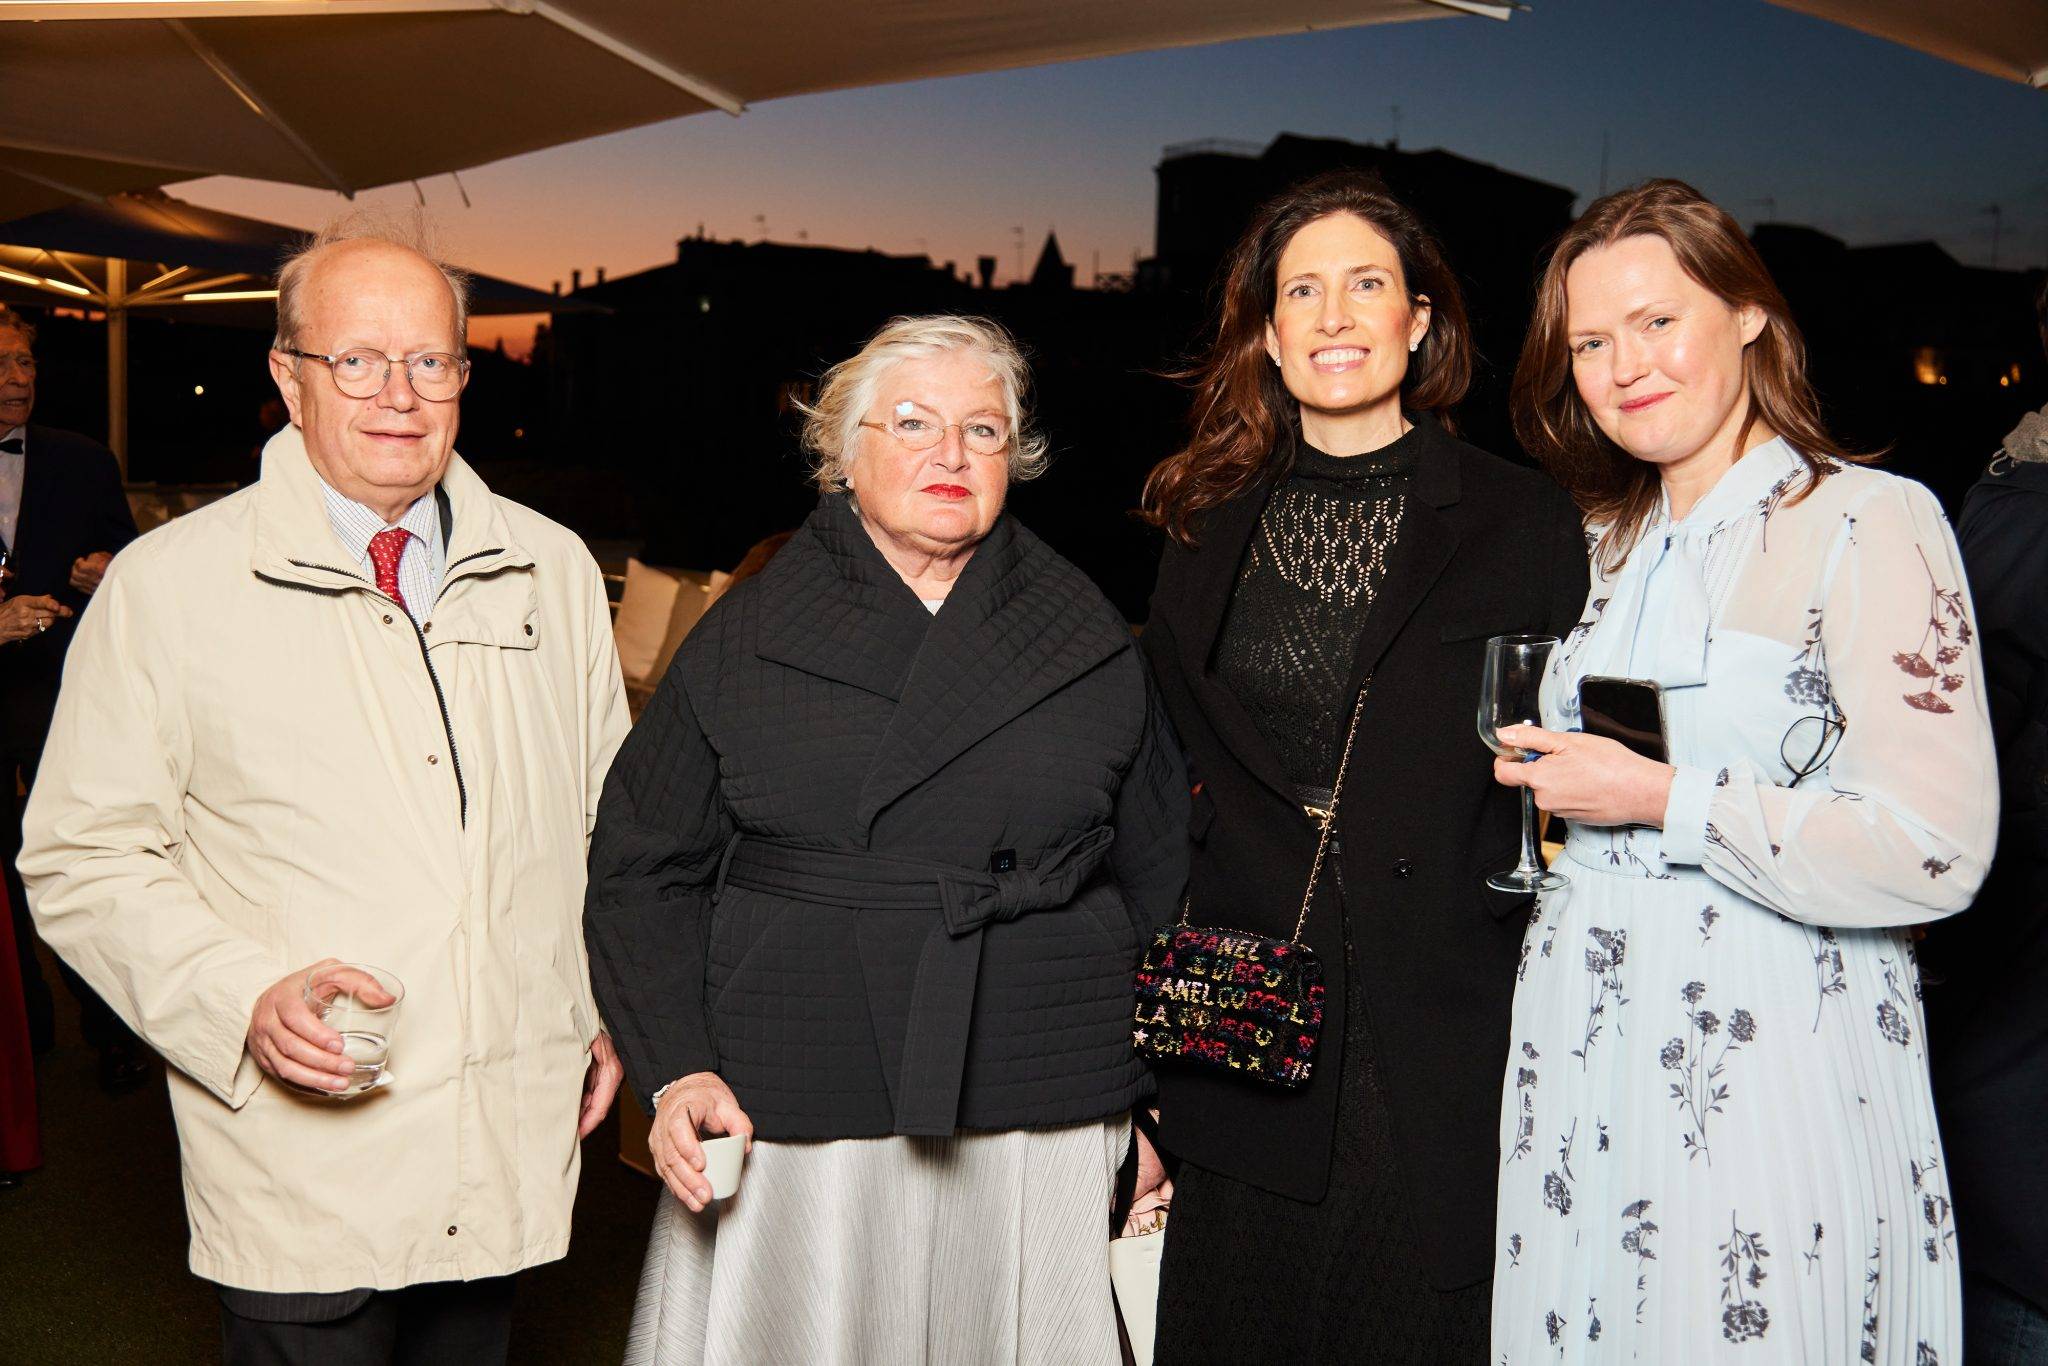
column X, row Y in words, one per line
column 953, row 491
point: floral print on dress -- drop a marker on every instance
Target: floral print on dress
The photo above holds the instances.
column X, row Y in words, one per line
column 1603, row 961
column 1637, row 1230
column 1827, row 968
column 1557, row 1190
column 1939, row 1240
column 1802, row 481
column 1622, row 855
column 1525, row 1129
column 1892, row 1012
column 1693, row 1055
column 1743, row 1315
column 1808, row 681
column 1942, row 646
column 1872, row 1274
column 1751, row 1101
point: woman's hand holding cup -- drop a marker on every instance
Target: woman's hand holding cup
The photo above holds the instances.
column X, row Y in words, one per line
column 689, row 1108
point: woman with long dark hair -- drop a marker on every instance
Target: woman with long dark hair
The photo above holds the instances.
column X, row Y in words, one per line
column 1325, row 528
column 1718, row 1136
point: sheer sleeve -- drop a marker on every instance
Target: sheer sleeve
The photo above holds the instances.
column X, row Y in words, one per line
column 1907, row 831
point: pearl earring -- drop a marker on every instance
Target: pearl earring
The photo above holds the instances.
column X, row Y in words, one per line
column 1413, row 345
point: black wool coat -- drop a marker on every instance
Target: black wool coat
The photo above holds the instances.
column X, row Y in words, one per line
column 1987, row 969
column 1486, row 548
column 890, row 872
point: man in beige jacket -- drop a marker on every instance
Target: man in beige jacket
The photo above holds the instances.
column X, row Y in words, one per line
column 361, row 711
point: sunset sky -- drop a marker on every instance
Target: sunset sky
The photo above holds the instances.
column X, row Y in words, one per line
column 1851, row 134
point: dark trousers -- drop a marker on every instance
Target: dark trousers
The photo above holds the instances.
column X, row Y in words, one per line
column 467, row 1322
column 2000, row 1328
column 101, row 1027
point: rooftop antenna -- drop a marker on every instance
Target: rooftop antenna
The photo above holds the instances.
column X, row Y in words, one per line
column 1395, row 141
column 1770, row 207
column 761, row 222
column 1018, row 233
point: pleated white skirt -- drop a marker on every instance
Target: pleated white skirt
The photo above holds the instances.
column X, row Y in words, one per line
column 1718, row 1141
column 979, row 1248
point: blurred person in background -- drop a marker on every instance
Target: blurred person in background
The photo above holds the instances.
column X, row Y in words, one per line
column 62, row 517
column 1987, row 994
column 21, row 1143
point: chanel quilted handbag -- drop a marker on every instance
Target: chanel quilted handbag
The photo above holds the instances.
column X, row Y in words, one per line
column 1235, row 1002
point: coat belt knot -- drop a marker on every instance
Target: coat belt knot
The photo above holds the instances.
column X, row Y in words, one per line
column 974, row 901
column 941, row 1012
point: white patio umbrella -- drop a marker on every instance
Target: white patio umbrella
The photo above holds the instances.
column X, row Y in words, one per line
column 347, row 94
column 2006, row 38
column 32, row 181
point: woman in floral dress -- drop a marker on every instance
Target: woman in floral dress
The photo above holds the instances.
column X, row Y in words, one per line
column 1718, row 1141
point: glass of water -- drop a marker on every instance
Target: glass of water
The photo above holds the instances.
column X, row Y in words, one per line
column 362, row 1003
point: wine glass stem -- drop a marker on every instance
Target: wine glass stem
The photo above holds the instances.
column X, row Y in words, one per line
column 1529, row 863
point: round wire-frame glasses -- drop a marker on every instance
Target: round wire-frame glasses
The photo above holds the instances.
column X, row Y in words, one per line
column 435, row 376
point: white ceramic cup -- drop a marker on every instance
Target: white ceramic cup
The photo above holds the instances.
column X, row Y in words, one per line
column 722, row 1160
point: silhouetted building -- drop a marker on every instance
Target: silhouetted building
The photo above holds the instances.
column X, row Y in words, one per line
column 686, row 392
column 1053, row 270
column 1911, row 349
column 688, row 389
column 689, row 384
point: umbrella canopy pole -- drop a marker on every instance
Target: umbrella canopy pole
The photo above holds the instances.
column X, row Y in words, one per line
column 117, row 363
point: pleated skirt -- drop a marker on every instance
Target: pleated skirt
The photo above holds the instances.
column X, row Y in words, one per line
column 978, row 1248
column 1718, row 1139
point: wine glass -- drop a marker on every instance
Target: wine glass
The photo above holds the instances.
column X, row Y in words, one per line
column 1510, row 695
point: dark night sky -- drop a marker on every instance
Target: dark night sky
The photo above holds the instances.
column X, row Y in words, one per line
column 1852, row 134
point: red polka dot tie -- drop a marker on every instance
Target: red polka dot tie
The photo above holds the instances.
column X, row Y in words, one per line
column 387, row 547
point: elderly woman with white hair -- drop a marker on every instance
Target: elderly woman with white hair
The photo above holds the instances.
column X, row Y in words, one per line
column 867, row 886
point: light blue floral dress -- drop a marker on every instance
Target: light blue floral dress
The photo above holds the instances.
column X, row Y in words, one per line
column 1717, row 1137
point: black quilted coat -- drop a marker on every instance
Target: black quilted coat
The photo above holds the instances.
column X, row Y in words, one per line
column 884, row 871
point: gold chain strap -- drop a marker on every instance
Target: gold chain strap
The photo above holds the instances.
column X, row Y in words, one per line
column 1336, row 793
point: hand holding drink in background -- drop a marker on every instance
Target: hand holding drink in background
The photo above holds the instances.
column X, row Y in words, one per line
column 327, row 1028
column 28, row 615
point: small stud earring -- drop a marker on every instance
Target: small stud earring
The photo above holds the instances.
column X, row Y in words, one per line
column 1413, row 345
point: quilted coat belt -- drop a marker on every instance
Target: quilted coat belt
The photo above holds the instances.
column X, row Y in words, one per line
column 927, row 1099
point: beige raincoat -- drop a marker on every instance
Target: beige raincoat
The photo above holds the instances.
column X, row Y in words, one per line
column 252, row 768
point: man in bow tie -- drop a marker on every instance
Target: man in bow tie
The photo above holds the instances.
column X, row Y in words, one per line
column 62, row 517
column 364, row 716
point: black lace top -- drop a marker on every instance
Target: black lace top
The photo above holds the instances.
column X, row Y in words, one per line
column 1308, row 582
